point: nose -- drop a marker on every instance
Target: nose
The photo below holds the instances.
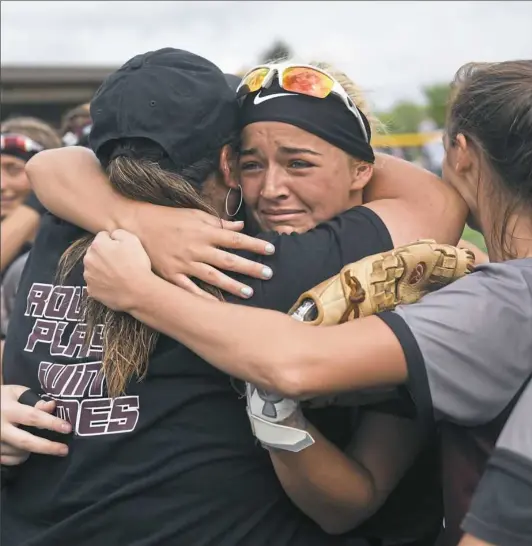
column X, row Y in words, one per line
column 274, row 186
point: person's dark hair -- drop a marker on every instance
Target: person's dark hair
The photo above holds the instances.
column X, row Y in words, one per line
column 76, row 118
column 491, row 105
column 138, row 174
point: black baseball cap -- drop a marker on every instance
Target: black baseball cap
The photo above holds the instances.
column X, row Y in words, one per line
column 174, row 98
column 233, row 81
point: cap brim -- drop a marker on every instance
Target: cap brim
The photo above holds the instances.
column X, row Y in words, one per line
column 232, row 81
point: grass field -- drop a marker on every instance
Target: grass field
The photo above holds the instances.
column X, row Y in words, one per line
column 474, row 237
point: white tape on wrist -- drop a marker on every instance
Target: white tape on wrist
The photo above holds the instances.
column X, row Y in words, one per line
column 267, row 411
column 279, row 436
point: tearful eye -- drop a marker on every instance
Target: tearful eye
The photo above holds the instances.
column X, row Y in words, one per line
column 299, row 164
column 250, row 166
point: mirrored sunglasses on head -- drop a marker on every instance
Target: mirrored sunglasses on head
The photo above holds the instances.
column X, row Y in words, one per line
column 298, row 78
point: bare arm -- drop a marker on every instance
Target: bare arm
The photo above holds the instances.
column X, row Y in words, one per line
column 70, row 183
column 414, row 203
column 271, row 349
column 17, row 229
column 469, row 540
column 267, row 348
column 339, row 491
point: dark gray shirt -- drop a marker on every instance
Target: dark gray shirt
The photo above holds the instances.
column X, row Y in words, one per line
column 501, row 511
column 475, row 339
column 468, row 349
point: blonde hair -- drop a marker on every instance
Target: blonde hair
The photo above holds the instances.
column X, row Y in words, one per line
column 34, row 128
column 353, row 90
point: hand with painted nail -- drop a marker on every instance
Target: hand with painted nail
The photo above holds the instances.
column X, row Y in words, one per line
column 184, row 243
column 16, row 444
column 116, row 269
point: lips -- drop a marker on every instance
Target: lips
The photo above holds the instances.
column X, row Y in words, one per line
column 281, row 216
column 278, row 213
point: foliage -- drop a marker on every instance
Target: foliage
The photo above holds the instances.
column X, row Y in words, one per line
column 404, row 117
column 277, row 51
column 436, row 97
column 474, row 237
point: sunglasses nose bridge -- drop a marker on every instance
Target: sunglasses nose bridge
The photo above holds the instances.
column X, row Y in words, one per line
column 269, row 77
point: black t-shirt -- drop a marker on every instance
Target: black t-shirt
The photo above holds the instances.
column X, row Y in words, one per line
column 415, row 508
column 173, row 461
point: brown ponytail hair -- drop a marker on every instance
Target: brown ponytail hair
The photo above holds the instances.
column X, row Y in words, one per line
column 491, row 105
column 128, row 343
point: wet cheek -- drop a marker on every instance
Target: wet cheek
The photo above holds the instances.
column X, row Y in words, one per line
column 250, row 194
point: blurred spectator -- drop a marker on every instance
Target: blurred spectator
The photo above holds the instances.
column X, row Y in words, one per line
column 21, row 139
column 76, row 126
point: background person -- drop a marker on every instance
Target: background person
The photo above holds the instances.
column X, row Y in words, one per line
column 21, row 138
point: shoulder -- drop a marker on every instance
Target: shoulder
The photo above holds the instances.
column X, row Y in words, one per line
column 468, row 345
column 483, row 294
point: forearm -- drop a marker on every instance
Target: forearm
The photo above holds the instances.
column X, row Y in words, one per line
column 332, row 489
column 70, row 183
column 271, row 349
column 17, row 230
column 469, row 540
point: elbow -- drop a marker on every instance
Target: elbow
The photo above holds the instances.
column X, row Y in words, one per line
column 287, row 377
column 348, row 515
column 298, row 363
column 37, row 171
column 340, row 523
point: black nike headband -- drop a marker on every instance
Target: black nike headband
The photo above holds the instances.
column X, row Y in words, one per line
column 326, row 118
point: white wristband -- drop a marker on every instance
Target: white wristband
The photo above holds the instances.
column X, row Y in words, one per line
column 279, row 436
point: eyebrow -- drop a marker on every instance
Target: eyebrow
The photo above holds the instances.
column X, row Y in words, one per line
column 283, row 149
column 289, row 150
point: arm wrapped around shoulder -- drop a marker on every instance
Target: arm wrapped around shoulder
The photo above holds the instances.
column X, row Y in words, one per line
column 381, row 282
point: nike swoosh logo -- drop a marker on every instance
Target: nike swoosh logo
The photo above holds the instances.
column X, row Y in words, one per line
column 258, row 99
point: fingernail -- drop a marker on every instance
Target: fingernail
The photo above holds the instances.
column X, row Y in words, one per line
column 64, row 451
column 246, row 291
column 267, row 273
column 65, row 427
column 269, row 248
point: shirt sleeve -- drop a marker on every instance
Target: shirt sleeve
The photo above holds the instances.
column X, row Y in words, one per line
column 9, row 289
column 501, row 510
column 468, row 345
column 301, row 261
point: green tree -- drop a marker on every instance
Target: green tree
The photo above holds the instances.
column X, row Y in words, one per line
column 404, row 117
column 277, row 51
column 437, row 96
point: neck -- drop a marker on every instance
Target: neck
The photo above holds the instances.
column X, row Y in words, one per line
column 215, row 194
column 516, row 240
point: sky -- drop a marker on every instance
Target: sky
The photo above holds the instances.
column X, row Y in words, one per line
column 391, row 49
